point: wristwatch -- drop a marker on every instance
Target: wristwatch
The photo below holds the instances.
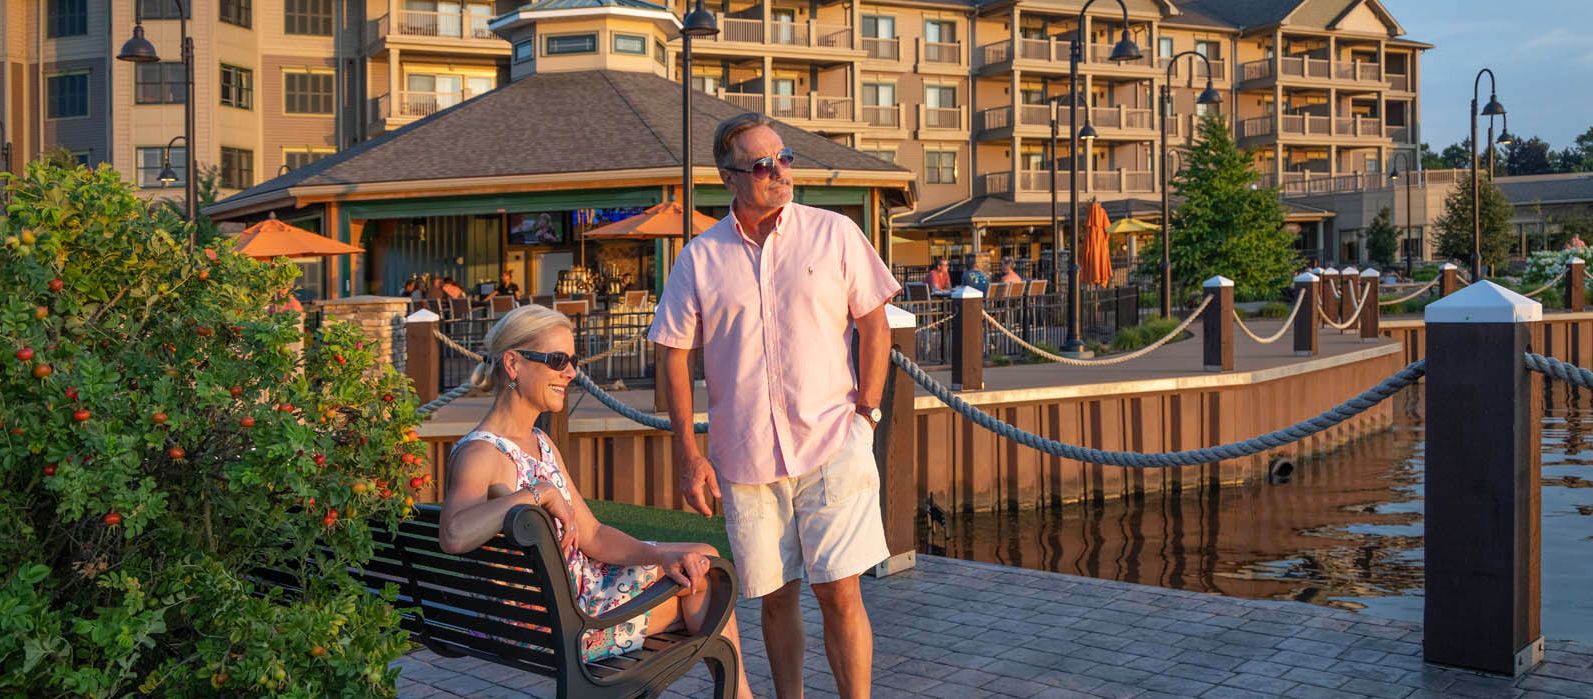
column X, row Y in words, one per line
column 874, row 415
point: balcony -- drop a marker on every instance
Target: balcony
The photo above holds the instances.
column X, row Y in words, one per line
column 885, row 116
column 940, row 58
column 1035, row 185
column 753, row 37
column 384, row 113
column 942, row 122
column 1042, row 55
column 1101, row 55
column 1121, row 118
column 1400, row 82
column 813, row 110
column 1321, row 127
column 458, row 30
column 882, row 49
column 1358, row 127
column 1217, row 71
column 1303, row 68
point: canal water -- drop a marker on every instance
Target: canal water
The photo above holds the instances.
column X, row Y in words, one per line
column 1343, row 530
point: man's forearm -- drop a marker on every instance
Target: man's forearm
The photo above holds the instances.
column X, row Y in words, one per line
column 677, row 379
column 873, row 356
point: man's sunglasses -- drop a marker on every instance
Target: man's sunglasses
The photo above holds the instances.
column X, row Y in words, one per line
column 763, row 167
column 554, row 360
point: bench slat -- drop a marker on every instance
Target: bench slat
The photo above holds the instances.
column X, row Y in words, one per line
column 491, row 589
column 500, row 629
column 528, row 659
column 535, row 614
column 519, row 572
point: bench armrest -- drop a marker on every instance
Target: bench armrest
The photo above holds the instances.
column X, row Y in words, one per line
column 721, row 580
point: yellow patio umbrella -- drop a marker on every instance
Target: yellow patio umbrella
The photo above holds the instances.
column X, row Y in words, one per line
column 1131, row 226
column 1095, row 260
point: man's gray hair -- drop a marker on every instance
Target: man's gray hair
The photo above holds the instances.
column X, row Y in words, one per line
column 729, row 130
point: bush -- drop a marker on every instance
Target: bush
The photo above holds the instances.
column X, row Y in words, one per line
column 1032, row 358
column 1424, row 273
column 1274, row 309
column 1129, row 339
column 160, row 442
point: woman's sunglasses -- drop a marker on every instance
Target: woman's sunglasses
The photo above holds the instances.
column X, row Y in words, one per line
column 554, row 360
column 763, row 167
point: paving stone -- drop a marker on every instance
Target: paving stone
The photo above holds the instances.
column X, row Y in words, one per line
column 1226, row 692
column 1266, row 684
column 1373, row 688
column 1177, row 686
column 1313, row 661
column 1211, row 660
column 1553, row 685
column 1319, row 678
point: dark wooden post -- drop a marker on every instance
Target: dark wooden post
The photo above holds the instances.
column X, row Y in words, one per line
column 1327, row 285
column 1370, row 332
column 1347, row 293
column 1306, row 286
column 422, row 359
column 895, row 445
column 1483, row 503
column 1217, row 324
column 968, row 340
column 1575, row 284
column 1448, row 279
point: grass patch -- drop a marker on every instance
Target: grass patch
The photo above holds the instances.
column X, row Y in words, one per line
column 655, row 524
column 1129, row 339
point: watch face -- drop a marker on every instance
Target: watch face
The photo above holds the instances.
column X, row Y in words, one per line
column 876, row 415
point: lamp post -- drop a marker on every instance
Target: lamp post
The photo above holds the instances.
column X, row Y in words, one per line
column 1491, row 109
column 5, row 147
column 1207, row 96
column 1504, row 139
column 1124, row 50
column 1410, row 178
column 698, row 22
column 139, row 50
column 167, row 174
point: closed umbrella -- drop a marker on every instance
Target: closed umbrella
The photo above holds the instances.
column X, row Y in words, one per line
column 1095, row 260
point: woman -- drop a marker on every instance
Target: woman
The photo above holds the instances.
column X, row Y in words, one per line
column 1009, row 273
column 505, row 462
column 505, row 287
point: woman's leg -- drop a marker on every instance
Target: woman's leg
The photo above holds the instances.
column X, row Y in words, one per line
column 693, row 607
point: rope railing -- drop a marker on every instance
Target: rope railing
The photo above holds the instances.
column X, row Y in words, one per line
column 1287, row 323
column 1189, row 457
column 1556, row 369
column 1359, row 305
column 444, row 399
column 620, row 346
column 1411, row 295
column 1545, row 287
column 628, row 412
column 476, row 356
column 1104, row 361
column 1334, row 288
column 937, row 323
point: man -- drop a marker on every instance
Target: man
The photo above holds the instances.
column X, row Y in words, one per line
column 939, row 277
column 505, row 287
column 770, row 293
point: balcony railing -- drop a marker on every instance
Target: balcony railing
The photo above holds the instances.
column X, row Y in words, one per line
column 1400, row 134
column 1045, row 50
column 458, row 25
column 811, row 106
column 945, row 118
column 1121, row 117
column 883, row 49
column 1306, row 183
column 941, row 52
column 1039, row 181
column 883, row 115
column 1039, row 115
column 740, row 31
column 750, row 101
column 1360, row 127
column 994, row 183
column 1399, row 81
column 995, row 118
column 414, row 104
column 1102, row 54
column 1216, row 71
column 1307, row 125
column 1256, row 70
column 1255, row 126
column 808, row 34
column 998, row 52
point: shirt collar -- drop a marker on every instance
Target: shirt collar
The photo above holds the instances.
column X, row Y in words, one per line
column 779, row 221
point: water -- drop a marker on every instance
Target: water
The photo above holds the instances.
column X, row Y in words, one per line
column 1344, row 530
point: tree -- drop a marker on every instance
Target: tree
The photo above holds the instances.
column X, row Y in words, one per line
column 1454, row 225
column 1457, row 156
column 1382, row 238
column 1226, row 226
column 1430, row 160
column 1527, row 157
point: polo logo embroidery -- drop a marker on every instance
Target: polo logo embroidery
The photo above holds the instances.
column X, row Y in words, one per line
column 810, row 270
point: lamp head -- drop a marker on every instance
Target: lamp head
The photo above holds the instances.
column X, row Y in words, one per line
column 1493, row 108
column 1087, row 133
column 1209, row 95
column 1505, row 138
column 167, row 175
column 1393, row 175
column 138, row 49
column 699, row 23
column 1125, row 50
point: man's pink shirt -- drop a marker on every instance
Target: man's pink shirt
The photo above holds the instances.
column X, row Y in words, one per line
column 775, row 326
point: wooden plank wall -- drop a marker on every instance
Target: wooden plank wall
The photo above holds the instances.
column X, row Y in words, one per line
column 1567, row 337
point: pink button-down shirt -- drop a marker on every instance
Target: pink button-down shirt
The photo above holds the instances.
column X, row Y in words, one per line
column 775, row 326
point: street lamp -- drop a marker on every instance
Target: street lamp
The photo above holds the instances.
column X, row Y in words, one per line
column 1493, row 108
column 1207, row 96
column 1504, row 139
column 5, row 147
column 167, row 174
column 1410, row 179
column 699, row 22
column 1124, row 50
column 139, row 50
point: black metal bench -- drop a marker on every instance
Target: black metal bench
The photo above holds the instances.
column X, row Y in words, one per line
column 510, row 602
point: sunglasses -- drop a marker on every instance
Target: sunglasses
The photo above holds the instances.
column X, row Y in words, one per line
column 763, row 167
column 556, row 361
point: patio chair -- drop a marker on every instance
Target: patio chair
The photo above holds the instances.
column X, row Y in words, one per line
column 574, row 307
column 502, row 304
column 459, row 308
column 636, row 300
column 917, row 291
column 1037, row 287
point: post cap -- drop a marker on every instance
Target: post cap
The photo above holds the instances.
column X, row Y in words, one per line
column 1306, row 278
column 1329, row 272
column 1315, row 270
column 1369, row 272
column 1577, row 261
column 1350, row 270
column 1484, row 302
column 424, row 315
column 967, row 292
column 898, row 317
column 1216, row 281
column 1447, row 266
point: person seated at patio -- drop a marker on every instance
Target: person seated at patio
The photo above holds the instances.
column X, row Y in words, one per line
column 505, row 287
column 1009, row 273
column 451, row 289
column 504, row 461
column 1575, row 242
column 939, row 277
column 976, row 276
column 627, row 282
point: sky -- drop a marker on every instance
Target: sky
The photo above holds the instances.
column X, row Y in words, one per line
column 1539, row 50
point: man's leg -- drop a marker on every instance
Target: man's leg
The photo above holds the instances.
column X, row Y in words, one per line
column 848, row 637
column 784, row 639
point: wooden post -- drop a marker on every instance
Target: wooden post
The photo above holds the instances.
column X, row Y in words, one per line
column 1306, row 286
column 1448, row 279
column 1330, row 303
column 1369, row 312
column 422, row 359
column 895, row 443
column 1483, row 500
column 1575, row 284
column 968, row 340
column 1347, row 293
column 1217, row 324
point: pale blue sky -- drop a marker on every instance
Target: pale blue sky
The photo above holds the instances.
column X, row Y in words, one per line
column 1541, row 52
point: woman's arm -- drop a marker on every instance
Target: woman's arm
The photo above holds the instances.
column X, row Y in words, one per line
column 469, row 516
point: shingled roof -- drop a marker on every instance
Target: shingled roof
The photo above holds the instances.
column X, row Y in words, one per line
column 578, row 122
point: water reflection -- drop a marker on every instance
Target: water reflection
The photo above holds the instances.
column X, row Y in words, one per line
column 1344, row 530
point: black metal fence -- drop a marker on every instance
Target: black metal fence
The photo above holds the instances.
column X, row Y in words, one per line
column 935, row 329
column 617, row 340
column 1040, row 320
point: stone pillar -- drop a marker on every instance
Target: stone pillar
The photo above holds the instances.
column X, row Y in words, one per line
column 1370, row 332
column 1306, row 286
column 1575, row 284
column 968, row 340
column 1328, row 284
column 1217, row 324
column 423, row 359
column 1448, row 279
column 1348, row 292
column 1483, row 502
column 373, row 314
column 895, row 444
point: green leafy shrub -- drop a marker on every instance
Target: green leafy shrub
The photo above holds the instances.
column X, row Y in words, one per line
column 1032, row 358
column 1129, row 339
column 1274, row 309
column 159, row 441
column 1424, row 272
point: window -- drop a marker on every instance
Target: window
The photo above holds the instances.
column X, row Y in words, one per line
column 571, row 43
column 82, row 157
column 660, row 53
column 307, row 92
column 151, row 161
column 940, row 32
column 940, row 96
column 705, row 83
column 1164, row 47
column 237, row 168
column 67, row 18
column 237, row 87
column 940, row 167
column 238, row 12
column 525, row 51
column 886, row 154
column 630, row 44
column 68, row 96
column 159, row 83
column 879, row 27
column 164, row 9
column 1209, row 49
column 307, row 17
column 879, row 95
column 296, row 158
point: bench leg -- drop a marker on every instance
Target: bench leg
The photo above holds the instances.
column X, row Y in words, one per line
column 720, row 657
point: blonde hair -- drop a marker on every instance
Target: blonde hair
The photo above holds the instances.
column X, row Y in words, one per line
column 517, row 329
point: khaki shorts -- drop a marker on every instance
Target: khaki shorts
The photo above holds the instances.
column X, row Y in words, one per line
column 825, row 523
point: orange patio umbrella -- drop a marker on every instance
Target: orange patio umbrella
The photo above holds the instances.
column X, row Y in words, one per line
column 270, row 239
column 1095, row 260
column 658, row 221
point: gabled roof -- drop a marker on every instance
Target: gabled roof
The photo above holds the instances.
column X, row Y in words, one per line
column 1243, row 14
column 1313, row 14
column 548, row 124
column 590, row 4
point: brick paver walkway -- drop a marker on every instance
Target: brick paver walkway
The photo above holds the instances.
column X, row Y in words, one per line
column 969, row 630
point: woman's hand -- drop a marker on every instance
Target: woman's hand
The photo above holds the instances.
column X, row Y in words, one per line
column 553, row 503
column 687, row 569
